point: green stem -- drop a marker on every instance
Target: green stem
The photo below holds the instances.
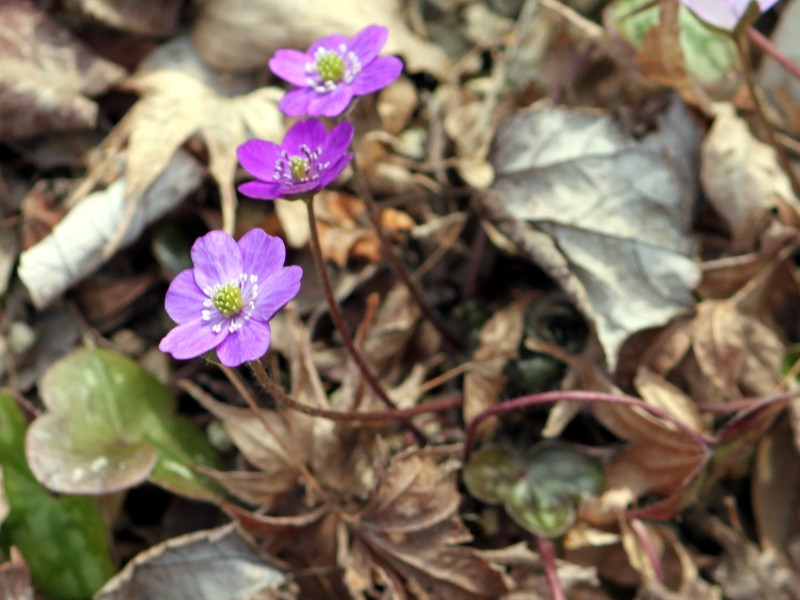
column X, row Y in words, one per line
column 341, row 327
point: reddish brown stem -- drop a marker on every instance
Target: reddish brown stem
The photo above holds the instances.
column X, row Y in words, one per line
column 767, row 47
column 548, row 555
column 341, row 327
column 274, row 390
column 698, row 438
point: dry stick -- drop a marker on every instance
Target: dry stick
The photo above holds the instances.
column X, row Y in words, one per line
column 548, row 555
column 783, row 158
column 277, row 392
column 338, row 321
column 399, row 268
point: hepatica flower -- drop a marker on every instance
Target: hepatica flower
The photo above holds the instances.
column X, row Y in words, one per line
column 724, row 14
column 333, row 70
column 307, row 161
column 227, row 299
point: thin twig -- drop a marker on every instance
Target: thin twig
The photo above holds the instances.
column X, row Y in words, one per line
column 399, row 268
column 341, row 327
column 277, row 392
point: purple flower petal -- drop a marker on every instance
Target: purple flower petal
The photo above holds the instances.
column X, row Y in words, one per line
column 216, row 259
column 248, row 343
column 724, row 14
column 276, row 291
column 260, row 190
column 184, row 300
column 290, row 65
column 378, row 74
column 258, row 157
column 331, row 104
column 191, row 339
column 368, row 42
column 295, row 102
column 338, row 141
column 332, row 172
column 308, row 132
column 262, row 254
column 332, row 42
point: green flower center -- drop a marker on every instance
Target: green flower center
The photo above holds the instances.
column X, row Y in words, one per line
column 330, row 66
column 228, row 299
column 300, row 168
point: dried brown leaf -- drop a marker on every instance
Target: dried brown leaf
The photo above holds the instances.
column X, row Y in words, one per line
column 46, row 74
column 215, row 565
column 499, row 342
column 718, row 344
column 606, row 215
column 409, row 532
column 742, row 178
column 661, row 58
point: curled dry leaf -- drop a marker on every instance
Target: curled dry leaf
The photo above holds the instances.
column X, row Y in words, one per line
column 180, row 97
column 409, row 534
column 741, row 177
column 215, row 565
column 46, row 74
column 74, row 249
column 605, row 215
column 721, row 353
column 785, row 89
column 244, row 34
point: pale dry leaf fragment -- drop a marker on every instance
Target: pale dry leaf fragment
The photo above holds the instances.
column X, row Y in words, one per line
column 180, row 97
column 156, row 18
column 718, row 344
column 216, row 564
column 74, row 249
column 244, row 34
column 47, row 76
column 9, row 250
column 15, row 578
column 741, row 177
column 605, row 215
column 500, row 339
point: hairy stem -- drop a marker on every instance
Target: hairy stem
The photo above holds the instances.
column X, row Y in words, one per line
column 399, row 268
column 277, row 392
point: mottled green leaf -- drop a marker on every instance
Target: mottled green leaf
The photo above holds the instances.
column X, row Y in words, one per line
column 490, row 473
column 110, row 425
column 63, row 540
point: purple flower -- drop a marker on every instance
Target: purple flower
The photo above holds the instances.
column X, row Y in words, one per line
column 307, row 161
column 227, row 300
column 334, row 70
column 724, row 14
